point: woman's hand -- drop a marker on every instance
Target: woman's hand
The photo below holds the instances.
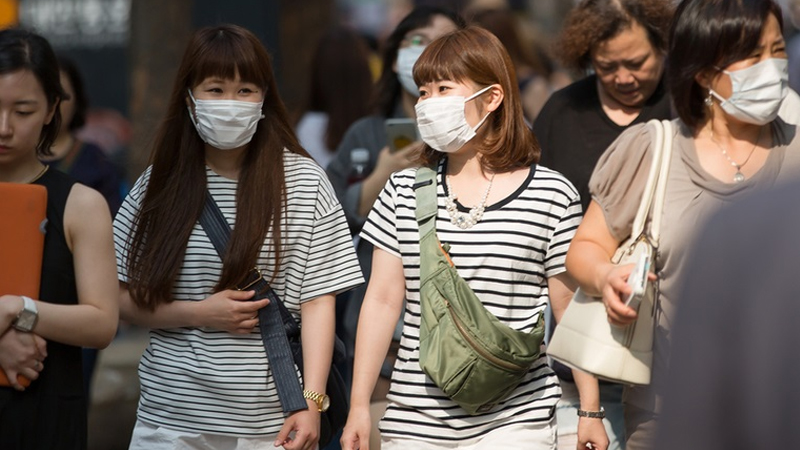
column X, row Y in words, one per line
column 232, row 311
column 305, row 426
column 389, row 161
column 21, row 354
column 356, row 431
column 616, row 289
column 591, row 432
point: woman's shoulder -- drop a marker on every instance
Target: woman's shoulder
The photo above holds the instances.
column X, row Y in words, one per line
column 301, row 165
column 554, row 179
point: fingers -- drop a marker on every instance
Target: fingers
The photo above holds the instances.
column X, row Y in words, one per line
column 41, row 345
column 240, row 295
column 283, row 435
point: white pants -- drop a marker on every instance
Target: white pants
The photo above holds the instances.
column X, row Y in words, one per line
column 513, row 437
column 152, row 437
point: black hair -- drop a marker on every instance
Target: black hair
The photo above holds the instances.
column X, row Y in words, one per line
column 80, row 101
column 726, row 30
column 388, row 86
column 21, row 49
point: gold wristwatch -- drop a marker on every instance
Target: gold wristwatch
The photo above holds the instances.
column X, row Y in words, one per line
column 322, row 400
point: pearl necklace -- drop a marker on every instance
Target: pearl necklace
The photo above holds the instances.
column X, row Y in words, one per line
column 738, row 177
column 459, row 219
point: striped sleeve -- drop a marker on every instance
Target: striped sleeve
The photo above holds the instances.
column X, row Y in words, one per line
column 123, row 223
column 569, row 202
column 381, row 226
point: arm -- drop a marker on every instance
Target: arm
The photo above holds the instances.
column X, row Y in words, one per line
column 589, row 262
column 590, row 431
column 228, row 310
column 93, row 321
column 388, row 163
column 317, row 333
column 380, row 312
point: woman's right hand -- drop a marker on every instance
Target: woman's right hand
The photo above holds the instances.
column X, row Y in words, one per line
column 232, row 311
column 21, row 353
column 390, row 162
column 616, row 289
column 355, row 435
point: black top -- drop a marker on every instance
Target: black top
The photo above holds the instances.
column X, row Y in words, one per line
column 573, row 130
column 51, row 412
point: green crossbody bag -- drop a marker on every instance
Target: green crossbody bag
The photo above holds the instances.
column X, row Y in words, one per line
column 473, row 357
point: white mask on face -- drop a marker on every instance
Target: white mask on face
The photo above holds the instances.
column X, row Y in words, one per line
column 442, row 122
column 225, row 124
column 406, row 58
column 757, row 91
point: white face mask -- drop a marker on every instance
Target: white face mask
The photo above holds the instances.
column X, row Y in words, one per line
column 757, row 91
column 406, row 58
column 442, row 122
column 225, row 124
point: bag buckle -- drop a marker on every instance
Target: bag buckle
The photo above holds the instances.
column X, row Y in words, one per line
column 255, row 275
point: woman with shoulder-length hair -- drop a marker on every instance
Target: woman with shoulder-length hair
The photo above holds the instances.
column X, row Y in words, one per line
column 508, row 223
column 41, row 337
column 728, row 77
column 205, row 377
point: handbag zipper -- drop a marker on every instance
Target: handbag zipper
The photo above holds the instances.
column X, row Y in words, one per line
column 486, row 355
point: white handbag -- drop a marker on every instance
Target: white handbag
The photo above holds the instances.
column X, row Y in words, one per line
column 584, row 339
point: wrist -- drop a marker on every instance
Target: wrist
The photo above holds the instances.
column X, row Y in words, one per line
column 10, row 306
column 592, row 414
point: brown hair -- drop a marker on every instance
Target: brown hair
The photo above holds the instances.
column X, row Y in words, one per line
column 596, row 21
column 176, row 191
column 341, row 81
column 476, row 55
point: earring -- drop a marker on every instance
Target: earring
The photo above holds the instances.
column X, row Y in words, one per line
column 709, row 99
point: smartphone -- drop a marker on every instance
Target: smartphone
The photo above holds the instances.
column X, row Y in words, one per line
column 637, row 281
column 400, row 133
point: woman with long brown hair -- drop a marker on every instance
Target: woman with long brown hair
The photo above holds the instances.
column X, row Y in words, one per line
column 205, row 376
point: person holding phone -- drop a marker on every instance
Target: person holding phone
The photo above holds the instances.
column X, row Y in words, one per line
column 729, row 142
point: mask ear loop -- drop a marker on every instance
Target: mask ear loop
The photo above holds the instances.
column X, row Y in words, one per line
column 475, row 95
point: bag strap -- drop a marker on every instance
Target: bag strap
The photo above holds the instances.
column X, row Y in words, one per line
column 661, row 187
column 655, row 188
column 274, row 324
column 425, row 191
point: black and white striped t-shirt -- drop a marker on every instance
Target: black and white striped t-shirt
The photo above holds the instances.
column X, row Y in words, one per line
column 506, row 258
column 211, row 381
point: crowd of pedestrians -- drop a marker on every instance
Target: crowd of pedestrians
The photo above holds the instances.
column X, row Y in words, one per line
column 247, row 225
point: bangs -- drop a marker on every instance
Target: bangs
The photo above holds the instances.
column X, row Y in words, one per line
column 442, row 60
column 227, row 54
column 740, row 27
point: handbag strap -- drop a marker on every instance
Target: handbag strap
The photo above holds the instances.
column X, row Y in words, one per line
column 274, row 324
column 656, row 185
column 425, row 192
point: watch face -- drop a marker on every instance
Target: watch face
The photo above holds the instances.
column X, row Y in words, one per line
column 26, row 320
column 326, row 403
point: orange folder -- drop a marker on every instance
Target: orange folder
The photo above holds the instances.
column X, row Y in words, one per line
column 23, row 212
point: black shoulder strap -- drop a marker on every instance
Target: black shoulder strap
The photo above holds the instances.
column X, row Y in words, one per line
column 272, row 318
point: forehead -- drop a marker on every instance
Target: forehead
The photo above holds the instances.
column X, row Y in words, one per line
column 20, row 85
column 438, row 26
column 630, row 43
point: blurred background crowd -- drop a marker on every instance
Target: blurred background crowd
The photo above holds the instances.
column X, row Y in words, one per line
column 119, row 57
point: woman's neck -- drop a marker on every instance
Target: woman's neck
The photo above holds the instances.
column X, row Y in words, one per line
column 620, row 114
column 62, row 146
column 226, row 163
column 26, row 171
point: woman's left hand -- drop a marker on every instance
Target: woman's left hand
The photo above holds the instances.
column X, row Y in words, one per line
column 305, row 426
column 592, row 432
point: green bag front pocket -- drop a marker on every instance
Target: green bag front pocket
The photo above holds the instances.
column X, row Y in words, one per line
column 477, row 371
